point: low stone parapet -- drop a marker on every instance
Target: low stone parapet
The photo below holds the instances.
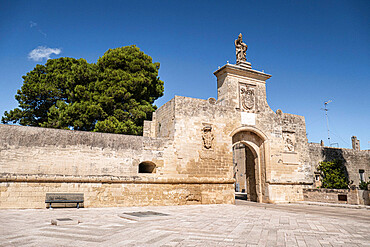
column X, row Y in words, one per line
column 29, row 191
column 341, row 196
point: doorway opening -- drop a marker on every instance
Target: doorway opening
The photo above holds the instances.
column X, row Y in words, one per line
column 249, row 147
column 245, row 172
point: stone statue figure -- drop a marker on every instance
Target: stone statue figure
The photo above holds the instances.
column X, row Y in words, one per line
column 240, row 49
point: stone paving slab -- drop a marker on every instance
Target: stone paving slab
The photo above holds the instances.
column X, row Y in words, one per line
column 244, row 224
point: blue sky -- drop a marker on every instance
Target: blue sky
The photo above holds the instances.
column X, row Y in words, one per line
column 314, row 50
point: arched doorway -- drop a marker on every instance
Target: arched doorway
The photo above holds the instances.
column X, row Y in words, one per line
column 245, row 170
column 249, row 162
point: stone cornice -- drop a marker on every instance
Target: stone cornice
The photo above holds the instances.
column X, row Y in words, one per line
column 289, row 183
column 242, row 71
column 110, row 179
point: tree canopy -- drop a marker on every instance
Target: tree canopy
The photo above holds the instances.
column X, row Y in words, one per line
column 114, row 95
column 334, row 174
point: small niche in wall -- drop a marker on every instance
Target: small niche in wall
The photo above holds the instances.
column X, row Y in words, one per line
column 147, row 167
column 342, row 198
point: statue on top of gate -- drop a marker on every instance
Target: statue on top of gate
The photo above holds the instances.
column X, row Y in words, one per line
column 240, row 49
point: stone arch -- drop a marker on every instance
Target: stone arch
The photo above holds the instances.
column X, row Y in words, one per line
column 255, row 142
column 147, row 167
column 252, row 129
column 253, row 147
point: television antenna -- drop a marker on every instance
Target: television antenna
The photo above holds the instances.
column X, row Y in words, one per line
column 327, row 120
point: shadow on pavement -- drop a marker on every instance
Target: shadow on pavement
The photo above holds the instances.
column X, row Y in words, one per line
column 241, row 196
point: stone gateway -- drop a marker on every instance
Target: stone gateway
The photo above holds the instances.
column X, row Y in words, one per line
column 193, row 151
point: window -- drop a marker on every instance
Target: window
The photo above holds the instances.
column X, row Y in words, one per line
column 147, row 167
column 361, row 171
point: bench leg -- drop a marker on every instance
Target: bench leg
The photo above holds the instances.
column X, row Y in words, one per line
column 78, row 205
column 50, row 206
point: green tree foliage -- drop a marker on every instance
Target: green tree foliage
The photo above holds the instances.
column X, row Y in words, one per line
column 114, row 95
column 363, row 185
column 334, row 175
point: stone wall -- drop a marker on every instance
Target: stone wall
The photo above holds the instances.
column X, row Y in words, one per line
column 164, row 121
column 32, row 194
column 194, row 156
column 354, row 160
column 34, row 161
column 340, row 196
column 30, row 150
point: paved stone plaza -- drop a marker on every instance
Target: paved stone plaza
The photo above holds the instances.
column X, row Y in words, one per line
column 244, row 224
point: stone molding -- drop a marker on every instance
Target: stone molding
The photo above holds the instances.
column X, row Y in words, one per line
column 110, row 179
column 262, row 135
column 242, row 71
column 289, row 183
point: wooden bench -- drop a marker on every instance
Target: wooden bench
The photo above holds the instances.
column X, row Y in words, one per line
column 64, row 198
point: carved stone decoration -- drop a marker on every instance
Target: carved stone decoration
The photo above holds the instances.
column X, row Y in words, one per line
column 212, row 101
column 247, row 98
column 289, row 141
column 207, row 137
column 289, row 144
column 279, row 112
column 240, row 50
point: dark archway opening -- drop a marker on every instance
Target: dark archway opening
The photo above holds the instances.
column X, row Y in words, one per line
column 147, row 167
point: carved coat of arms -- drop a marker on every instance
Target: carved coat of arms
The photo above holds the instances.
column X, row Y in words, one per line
column 207, row 137
column 289, row 145
column 289, row 140
column 247, row 98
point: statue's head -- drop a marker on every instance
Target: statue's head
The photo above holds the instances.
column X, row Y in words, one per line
column 240, row 36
